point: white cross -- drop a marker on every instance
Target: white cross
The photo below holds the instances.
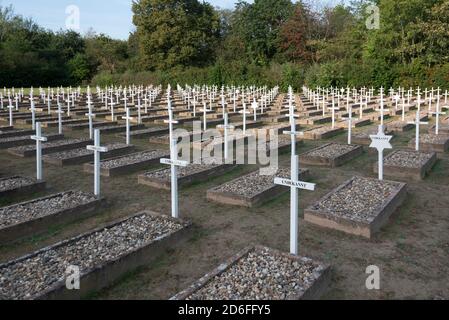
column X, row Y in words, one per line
column 333, row 111
column 349, row 119
column 90, row 115
column 226, row 127
column 59, row 112
column 10, row 107
column 128, row 118
column 295, row 184
column 417, row 123
column 33, row 115
column 174, row 163
column 437, row 113
column 139, row 112
column 244, row 112
column 205, row 111
column 381, row 142
column 381, row 109
column 170, row 123
column 48, row 104
column 97, row 149
column 39, row 139
column 255, row 106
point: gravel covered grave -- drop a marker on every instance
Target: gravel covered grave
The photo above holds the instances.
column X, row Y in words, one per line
column 164, row 174
column 408, row 159
column 32, row 275
column 15, row 183
column 253, row 183
column 83, row 151
column 27, row 211
column 134, row 158
column 332, row 150
column 433, row 138
column 261, row 275
column 46, row 145
column 359, row 200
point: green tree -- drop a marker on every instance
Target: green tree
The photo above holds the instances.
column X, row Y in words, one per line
column 175, row 32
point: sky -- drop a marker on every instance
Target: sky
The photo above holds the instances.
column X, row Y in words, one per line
column 111, row 17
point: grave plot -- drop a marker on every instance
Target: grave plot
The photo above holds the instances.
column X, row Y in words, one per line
column 360, row 206
column 252, row 189
column 315, row 120
column 193, row 173
column 95, row 125
column 322, row 133
column 260, row 273
column 12, row 186
column 82, row 155
column 41, row 119
column 120, row 128
column 128, row 164
column 16, row 133
column 6, row 128
column 150, row 118
column 12, row 142
column 331, row 155
column 36, row 216
column 55, row 124
column 363, row 138
column 50, row 147
column 408, row 164
column 400, row 126
column 356, row 123
column 150, row 132
column 103, row 255
column 442, row 128
column 165, row 138
column 432, row 143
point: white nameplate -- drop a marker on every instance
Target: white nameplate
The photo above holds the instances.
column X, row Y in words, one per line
column 299, row 184
column 178, row 163
column 97, row 149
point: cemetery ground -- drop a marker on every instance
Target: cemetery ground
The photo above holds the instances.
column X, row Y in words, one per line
column 411, row 249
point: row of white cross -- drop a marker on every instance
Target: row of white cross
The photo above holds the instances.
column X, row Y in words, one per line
column 379, row 141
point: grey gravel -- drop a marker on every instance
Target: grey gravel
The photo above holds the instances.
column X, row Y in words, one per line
column 261, row 275
column 12, row 183
column 134, row 158
column 165, row 174
column 433, row 138
column 359, row 200
column 38, row 272
column 51, row 144
column 82, row 151
column 408, row 159
column 253, row 183
column 331, row 151
column 23, row 212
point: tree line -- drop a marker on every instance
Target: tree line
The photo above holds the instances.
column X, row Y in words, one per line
column 267, row 42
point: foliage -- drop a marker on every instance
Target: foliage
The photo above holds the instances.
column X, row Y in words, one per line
column 266, row 42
